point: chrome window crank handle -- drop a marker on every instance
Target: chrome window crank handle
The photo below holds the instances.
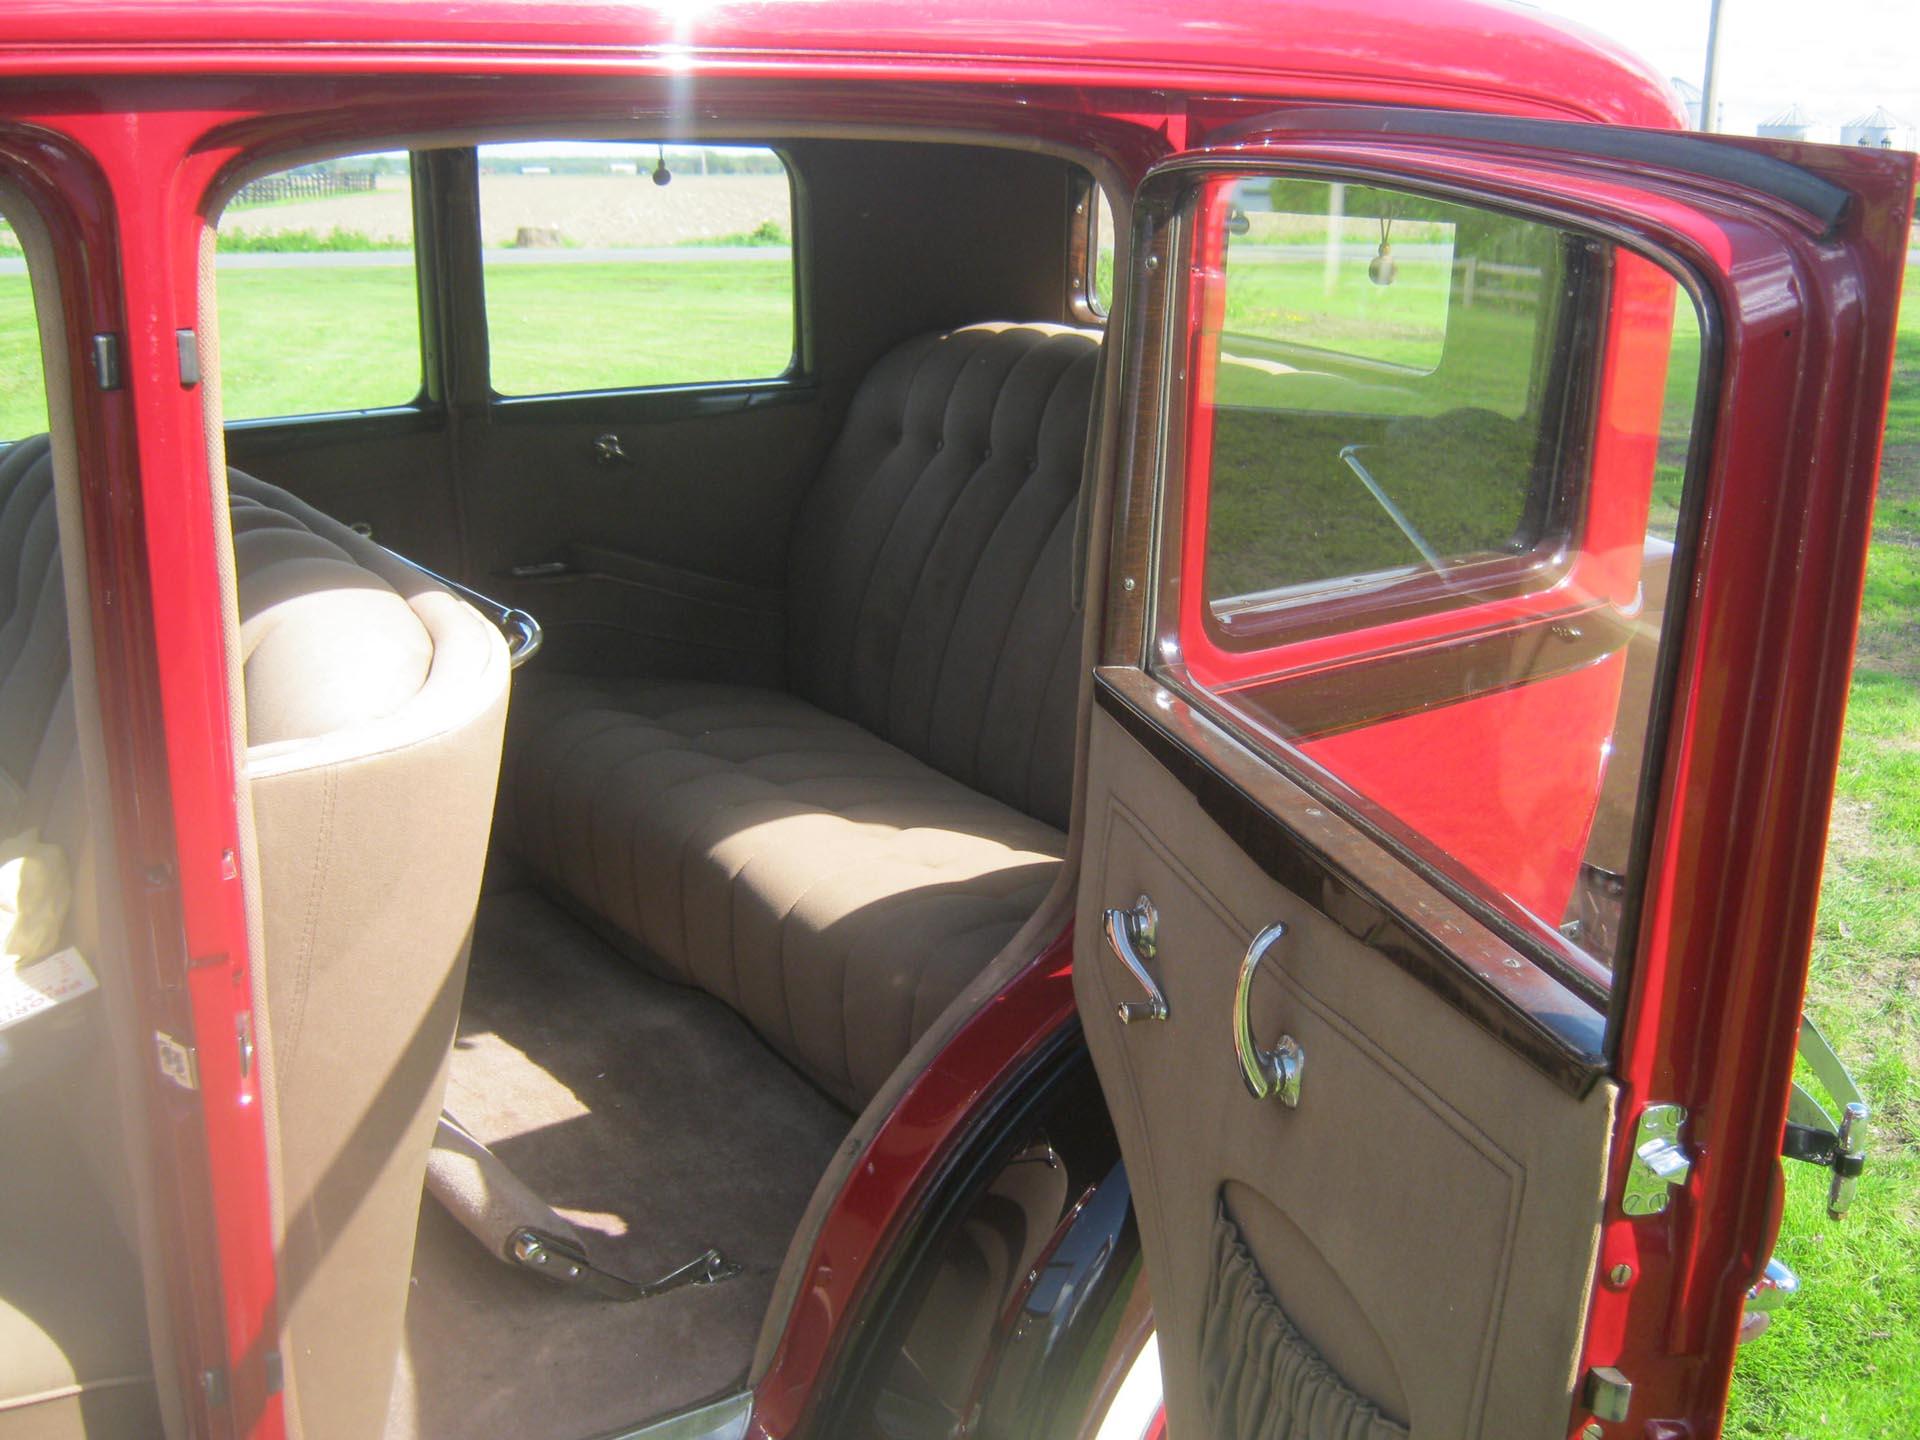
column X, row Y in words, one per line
column 1131, row 934
column 1269, row 1074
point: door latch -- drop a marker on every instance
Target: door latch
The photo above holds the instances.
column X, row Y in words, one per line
column 178, row 1062
column 1661, row 1164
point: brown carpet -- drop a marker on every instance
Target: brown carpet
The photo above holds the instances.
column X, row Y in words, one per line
column 653, row 1119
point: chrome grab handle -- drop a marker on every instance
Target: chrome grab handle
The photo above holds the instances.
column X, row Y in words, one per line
column 1271, row 1073
column 523, row 634
column 1131, row 934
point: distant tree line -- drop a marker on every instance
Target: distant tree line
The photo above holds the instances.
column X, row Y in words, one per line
column 681, row 160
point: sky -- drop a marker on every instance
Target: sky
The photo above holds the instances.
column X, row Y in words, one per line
column 1837, row 58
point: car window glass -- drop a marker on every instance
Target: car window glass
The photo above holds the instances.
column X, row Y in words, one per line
column 619, row 265
column 1376, row 368
column 1439, row 522
column 319, row 305
column 23, row 386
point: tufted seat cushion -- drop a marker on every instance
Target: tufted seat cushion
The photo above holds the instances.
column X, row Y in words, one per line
column 839, row 862
column 834, row 890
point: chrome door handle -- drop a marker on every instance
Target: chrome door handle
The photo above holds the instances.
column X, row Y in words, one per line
column 1131, row 935
column 1271, row 1073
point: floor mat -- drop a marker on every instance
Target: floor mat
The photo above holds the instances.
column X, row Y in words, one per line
column 653, row 1119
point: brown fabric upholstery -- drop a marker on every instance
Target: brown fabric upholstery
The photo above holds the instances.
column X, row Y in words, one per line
column 929, row 587
column 375, row 703
column 832, row 889
column 837, row 863
column 375, row 708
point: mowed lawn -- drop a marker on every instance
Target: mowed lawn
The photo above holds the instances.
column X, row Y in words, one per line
column 1844, row 1359
column 299, row 341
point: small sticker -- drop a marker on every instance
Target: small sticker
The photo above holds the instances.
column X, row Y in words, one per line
column 27, row 990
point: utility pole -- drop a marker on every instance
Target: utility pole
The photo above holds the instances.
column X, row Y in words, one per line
column 1710, row 90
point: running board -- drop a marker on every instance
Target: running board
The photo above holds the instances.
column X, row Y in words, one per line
column 566, row 1264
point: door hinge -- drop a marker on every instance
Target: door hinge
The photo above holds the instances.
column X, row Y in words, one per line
column 177, row 1062
column 1813, row 1136
column 1661, row 1164
column 106, row 361
column 1609, row 1393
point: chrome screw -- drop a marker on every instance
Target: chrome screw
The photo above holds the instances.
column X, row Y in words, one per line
column 1620, row 1276
column 1592, row 1431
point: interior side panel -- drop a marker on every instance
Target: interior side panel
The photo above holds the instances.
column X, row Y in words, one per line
column 1422, row 1216
column 690, row 530
column 389, row 474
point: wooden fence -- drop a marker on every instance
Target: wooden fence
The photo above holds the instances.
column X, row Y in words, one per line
column 314, row 186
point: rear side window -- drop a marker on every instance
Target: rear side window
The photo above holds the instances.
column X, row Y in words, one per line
column 620, row 265
column 319, row 306
column 23, row 386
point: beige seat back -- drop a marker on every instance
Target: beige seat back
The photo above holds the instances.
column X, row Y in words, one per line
column 375, row 706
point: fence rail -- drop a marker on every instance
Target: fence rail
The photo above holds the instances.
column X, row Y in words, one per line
column 303, row 187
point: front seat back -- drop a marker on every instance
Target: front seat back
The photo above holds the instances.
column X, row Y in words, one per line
column 375, row 707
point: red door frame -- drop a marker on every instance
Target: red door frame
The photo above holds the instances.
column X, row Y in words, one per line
column 1784, row 509
column 160, row 669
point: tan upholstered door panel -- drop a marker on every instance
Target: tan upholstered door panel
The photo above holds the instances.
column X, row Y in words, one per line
column 1424, row 1214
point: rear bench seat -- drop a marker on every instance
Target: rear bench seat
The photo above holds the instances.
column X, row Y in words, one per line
column 837, row 862
column 374, row 704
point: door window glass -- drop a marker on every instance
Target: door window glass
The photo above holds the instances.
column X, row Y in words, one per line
column 1432, row 461
column 613, row 266
column 319, row 305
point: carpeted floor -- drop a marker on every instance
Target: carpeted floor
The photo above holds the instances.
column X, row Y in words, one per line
column 653, row 1119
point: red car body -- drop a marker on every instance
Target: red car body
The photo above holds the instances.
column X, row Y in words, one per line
column 128, row 121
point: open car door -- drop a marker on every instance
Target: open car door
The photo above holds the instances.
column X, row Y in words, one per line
column 1488, row 546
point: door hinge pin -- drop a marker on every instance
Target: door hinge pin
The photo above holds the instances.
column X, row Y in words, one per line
column 106, row 361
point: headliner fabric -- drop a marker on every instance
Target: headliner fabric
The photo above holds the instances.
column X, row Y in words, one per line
column 839, row 862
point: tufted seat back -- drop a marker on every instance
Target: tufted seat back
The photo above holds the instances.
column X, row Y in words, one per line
column 33, row 610
column 838, row 861
column 930, row 569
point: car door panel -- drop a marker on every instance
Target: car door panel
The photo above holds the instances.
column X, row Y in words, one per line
column 388, row 473
column 1409, row 1237
column 668, row 558
column 1429, row 1219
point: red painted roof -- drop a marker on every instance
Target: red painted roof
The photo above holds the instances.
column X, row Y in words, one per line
column 1452, row 52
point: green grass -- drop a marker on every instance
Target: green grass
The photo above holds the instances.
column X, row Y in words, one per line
column 304, row 341
column 767, row 232
column 306, row 242
column 586, row 327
